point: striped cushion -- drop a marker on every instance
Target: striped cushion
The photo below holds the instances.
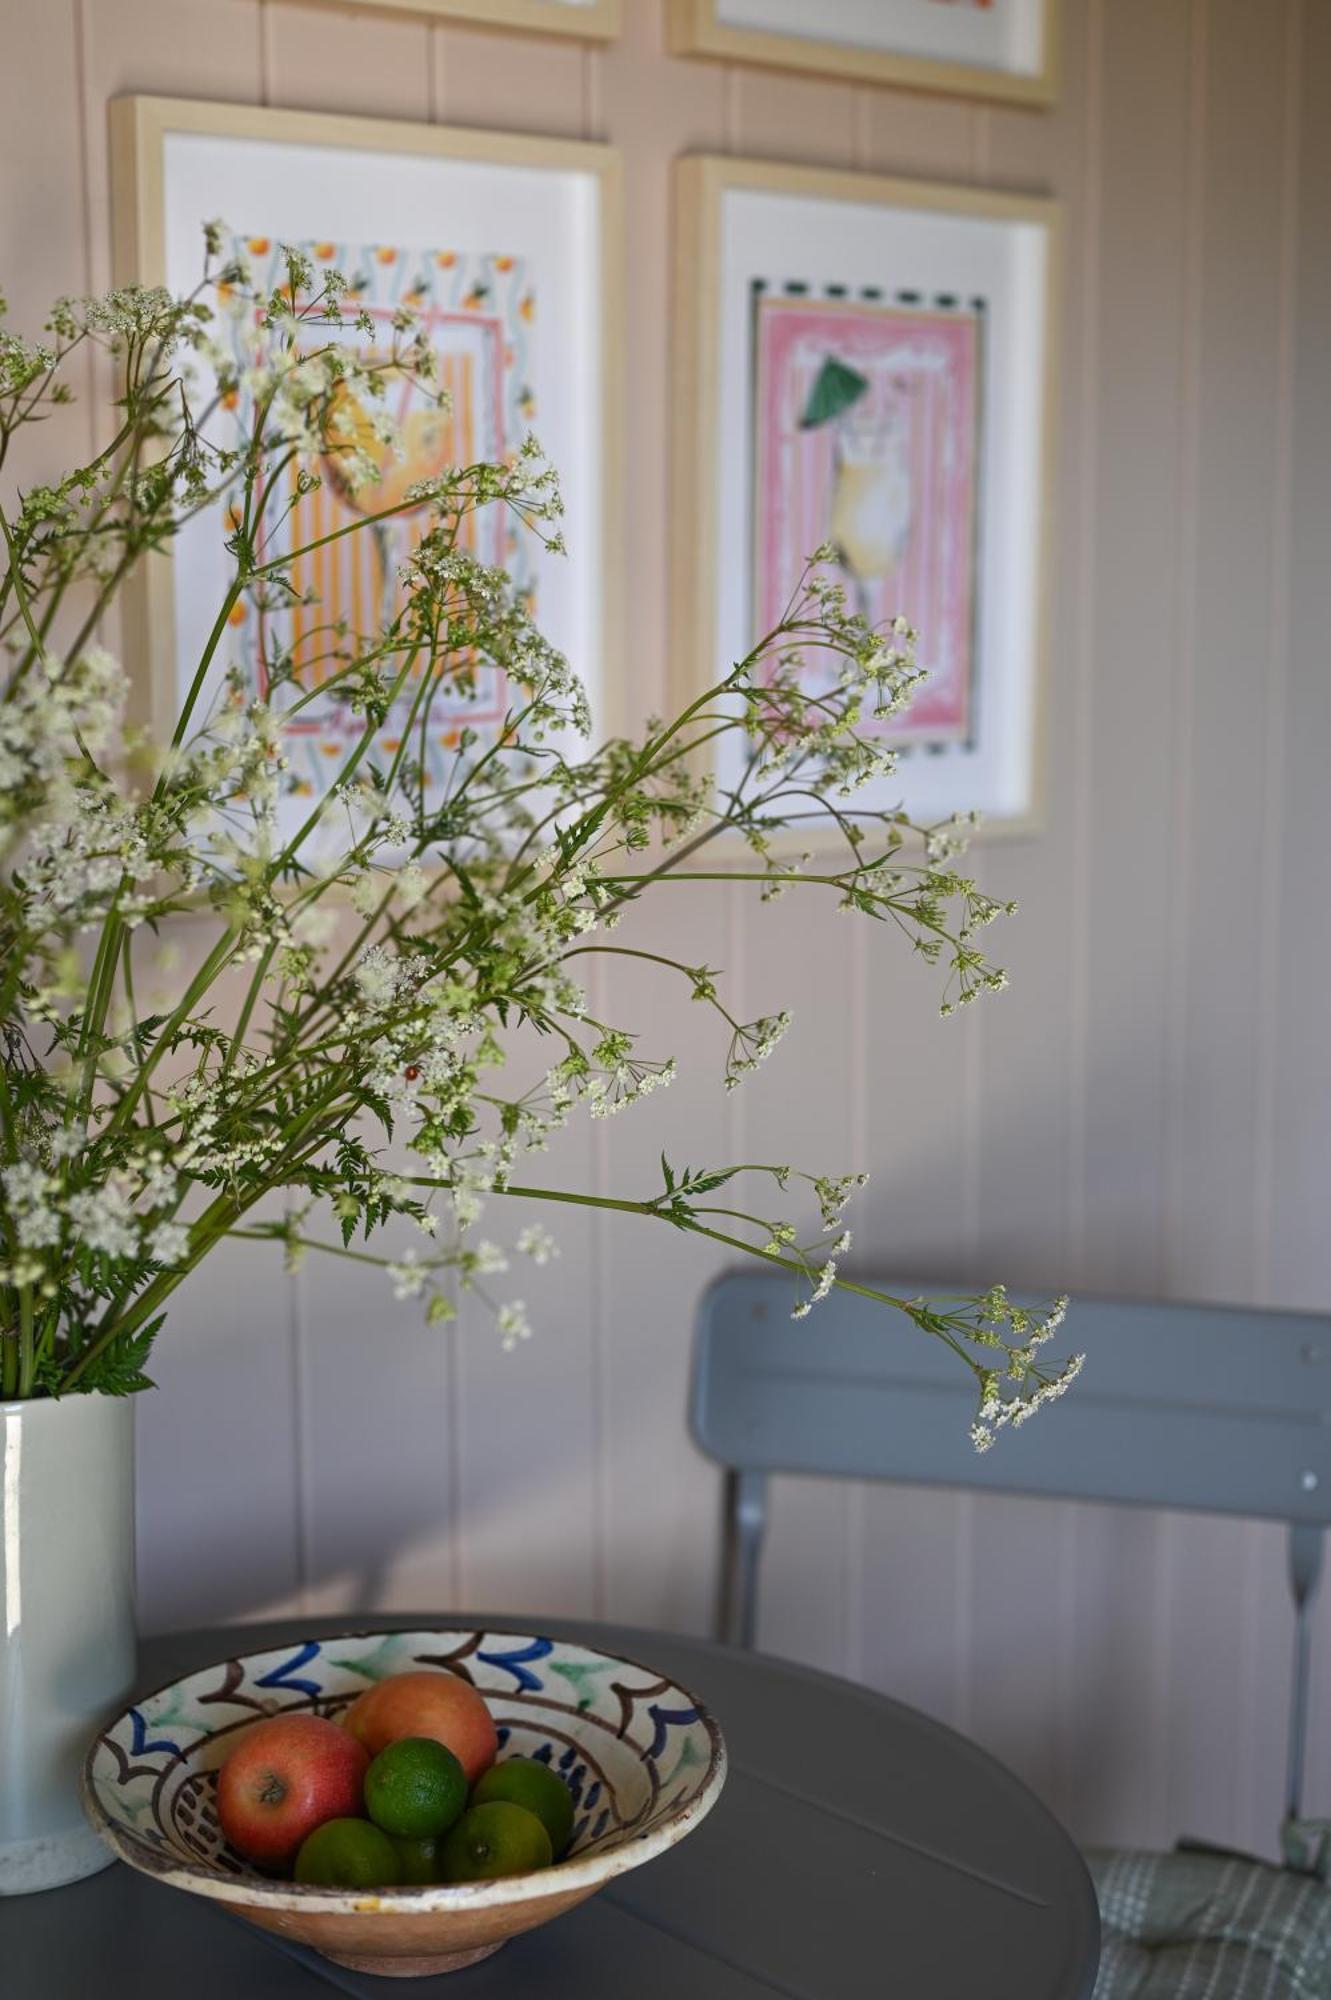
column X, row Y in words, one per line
column 1205, row 1926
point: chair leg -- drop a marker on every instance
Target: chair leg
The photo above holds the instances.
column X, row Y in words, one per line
column 745, row 1526
column 1306, row 1540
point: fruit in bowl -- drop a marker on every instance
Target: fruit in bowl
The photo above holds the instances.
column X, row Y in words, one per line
column 426, row 1703
column 602, row 1763
column 284, row 1778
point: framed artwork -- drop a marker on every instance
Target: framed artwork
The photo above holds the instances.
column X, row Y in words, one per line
column 867, row 363
column 1003, row 49
column 506, row 249
column 590, row 20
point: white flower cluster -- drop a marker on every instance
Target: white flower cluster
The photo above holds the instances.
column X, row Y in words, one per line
column 751, row 1045
column 1011, row 1394
column 126, row 1217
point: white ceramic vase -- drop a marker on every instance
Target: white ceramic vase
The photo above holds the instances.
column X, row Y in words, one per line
column 66, row 1622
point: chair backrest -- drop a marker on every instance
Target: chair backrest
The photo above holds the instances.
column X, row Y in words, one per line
column 1220, row 1408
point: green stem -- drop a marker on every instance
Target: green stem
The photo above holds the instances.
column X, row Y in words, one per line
column 656, row 1214
column 277, row 1235
column 27, row 1355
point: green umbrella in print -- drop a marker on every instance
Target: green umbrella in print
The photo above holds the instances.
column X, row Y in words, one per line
column 869, row 496
column 836, row 388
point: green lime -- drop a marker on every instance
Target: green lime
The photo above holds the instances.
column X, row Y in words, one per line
column 415, row 1788
column 498, row 1839
column 347, row 1854
column 418, row 1861
column 522, row 1781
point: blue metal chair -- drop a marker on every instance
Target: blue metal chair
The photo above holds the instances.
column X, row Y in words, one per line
column 1219, row 1408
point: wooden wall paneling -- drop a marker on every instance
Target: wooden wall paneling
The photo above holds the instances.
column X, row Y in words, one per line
column 653, row 107
column 377, row 1441
column 1231, row 401
column 1024, row 1676
column 1026, row 1035
column 1016, row 1696
column 661, row 1497
column 804, row 1098
column 41, row 147
column 805, row 1108
column 321, row 59
column 528, row 1486
column 385, row 1414
column 44, row 223
column 512, row 82
column 660, row 1500
column 1236, row 394
column 913, row 1578
column 218, row 1501
column 1146, row 56
column 931, row 138
column 1077, row 168
column 914, row 1553
column 44, row 230
column 166, row 48
column 916, row 1218
column 1015, row 1615
column 1294, row 1253
column 1141, row 55
column 192, row 49
column 1112, row 1784
column 798, row 118
column 210, row 1544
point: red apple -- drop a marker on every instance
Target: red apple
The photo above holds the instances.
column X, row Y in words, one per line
column 428, row 1703
column 285, row 1777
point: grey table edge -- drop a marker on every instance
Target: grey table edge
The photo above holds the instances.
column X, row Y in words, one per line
column 48, row 1936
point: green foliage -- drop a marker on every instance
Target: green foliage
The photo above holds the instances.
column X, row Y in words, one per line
column 354, row 971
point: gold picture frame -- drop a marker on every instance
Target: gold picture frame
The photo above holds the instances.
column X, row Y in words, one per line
column 589, row 21
column 701, row 427
column 695, row 28
column 140, row 128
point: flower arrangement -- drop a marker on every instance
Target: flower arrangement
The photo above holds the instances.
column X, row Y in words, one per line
column 361, row 973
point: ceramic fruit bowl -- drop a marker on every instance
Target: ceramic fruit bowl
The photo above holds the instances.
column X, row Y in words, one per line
column 642, row 1757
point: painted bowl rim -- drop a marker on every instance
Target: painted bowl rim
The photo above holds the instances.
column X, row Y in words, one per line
column 561, row 1879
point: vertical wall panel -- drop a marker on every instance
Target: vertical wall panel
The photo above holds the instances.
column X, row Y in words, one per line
column 1146, row 72
column 807, row 1612
column 218, row 1476
column 1237, row 434
column 378, row 1527
column 218, row 1465
column 931, row 137
column 510, row 81
column 661, row 1497
column 529, row 1433
column 794, row 117
column 1296, row 1243
column 784, row 117
column 653, row 107
column 1149, row 1108
column 1015, row 1695
column 1232, row 396
column 341, row 60
column 43, row 169
column 375, row 1441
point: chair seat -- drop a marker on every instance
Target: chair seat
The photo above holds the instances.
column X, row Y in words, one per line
column 1202, row 1926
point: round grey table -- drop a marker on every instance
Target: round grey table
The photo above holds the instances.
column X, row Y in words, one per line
column 858, row 1849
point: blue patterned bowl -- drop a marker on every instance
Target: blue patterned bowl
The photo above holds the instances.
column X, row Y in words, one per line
column 643, row 1758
